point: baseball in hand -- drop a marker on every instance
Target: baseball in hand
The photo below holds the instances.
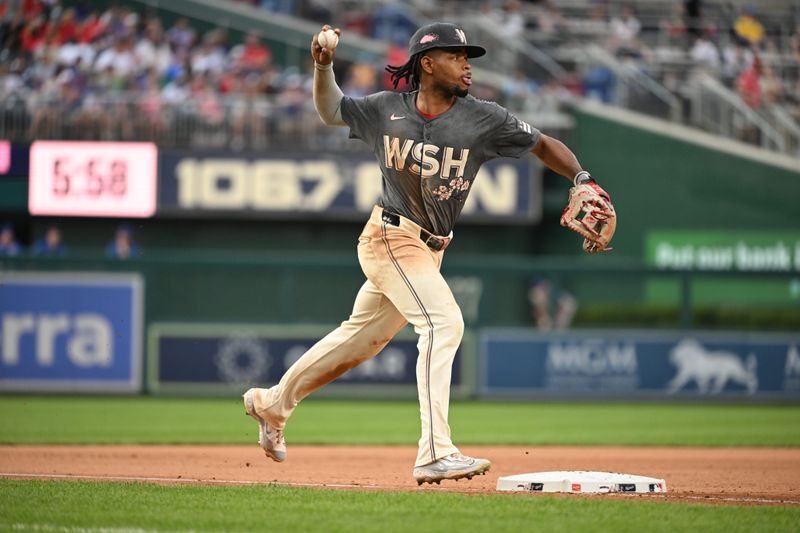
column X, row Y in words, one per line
column 328, row 39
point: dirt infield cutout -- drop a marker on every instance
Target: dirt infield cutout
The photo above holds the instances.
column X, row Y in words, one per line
column 737, row 476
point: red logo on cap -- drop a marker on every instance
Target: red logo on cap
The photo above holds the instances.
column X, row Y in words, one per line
column 429, row 38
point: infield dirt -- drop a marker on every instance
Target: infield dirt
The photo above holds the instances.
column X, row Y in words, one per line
column 741, row 476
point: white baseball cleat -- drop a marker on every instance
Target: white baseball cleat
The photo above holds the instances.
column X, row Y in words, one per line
column 454, row 466
column 270, row 439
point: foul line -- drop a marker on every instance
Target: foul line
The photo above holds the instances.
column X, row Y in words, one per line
column 158, row 479
column 730, row 499
column 191, row 480
column 81, row 529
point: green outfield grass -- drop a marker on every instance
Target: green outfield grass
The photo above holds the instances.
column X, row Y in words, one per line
column 78, row 420
column 87, row 507
column 71, row 506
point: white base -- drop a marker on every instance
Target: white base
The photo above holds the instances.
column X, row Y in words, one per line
column 586, row 482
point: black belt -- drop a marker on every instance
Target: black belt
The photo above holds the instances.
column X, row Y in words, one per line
column 434, row 242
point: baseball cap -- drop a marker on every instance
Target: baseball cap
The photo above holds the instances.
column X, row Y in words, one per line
column 442, row 35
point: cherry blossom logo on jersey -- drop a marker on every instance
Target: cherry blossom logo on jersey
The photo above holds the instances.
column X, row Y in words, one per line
column 429, row 38
column 453, row 189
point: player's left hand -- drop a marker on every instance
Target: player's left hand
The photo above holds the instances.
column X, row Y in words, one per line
column 591, row 214
column 323, row 56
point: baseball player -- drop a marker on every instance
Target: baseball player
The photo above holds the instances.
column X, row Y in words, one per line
column 429, row 143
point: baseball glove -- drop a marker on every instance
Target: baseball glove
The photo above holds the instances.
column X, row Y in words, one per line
column 590, row 214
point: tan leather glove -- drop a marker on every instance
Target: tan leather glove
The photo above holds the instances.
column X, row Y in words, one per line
column 591, row 214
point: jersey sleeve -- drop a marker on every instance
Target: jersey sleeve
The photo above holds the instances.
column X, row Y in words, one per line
column 512, row 138
column 361, row 115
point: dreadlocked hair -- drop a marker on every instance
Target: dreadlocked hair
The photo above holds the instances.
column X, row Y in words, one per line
column 408, row 72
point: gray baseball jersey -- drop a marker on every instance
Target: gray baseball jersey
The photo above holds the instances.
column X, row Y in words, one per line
column 428, row 166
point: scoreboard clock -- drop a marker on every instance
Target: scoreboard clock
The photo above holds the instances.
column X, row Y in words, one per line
column 93, row 179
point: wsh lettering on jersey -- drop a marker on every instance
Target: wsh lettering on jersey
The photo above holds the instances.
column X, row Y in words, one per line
column 427, row 165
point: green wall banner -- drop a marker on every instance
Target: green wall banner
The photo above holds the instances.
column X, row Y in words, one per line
column 727, row 251
column 748, row 251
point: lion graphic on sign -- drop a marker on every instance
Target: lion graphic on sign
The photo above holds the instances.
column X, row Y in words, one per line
column 711, row 370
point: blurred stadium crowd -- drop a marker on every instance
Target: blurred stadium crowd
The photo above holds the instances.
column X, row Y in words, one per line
column 76, row 72
column 71, row 70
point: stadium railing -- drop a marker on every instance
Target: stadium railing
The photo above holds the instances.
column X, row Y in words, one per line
column 237, row 123
column 719, row 110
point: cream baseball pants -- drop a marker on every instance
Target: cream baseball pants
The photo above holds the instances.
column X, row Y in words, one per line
column 403, row 286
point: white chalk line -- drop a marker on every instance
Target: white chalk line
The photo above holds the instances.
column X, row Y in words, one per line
column 79, row 529
column 158, row 479
column 731, row 499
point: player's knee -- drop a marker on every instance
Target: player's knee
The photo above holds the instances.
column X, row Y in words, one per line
column 454, row 325
column 460, row 326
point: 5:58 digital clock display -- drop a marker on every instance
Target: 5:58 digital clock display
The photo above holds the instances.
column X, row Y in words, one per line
column 101, row 179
